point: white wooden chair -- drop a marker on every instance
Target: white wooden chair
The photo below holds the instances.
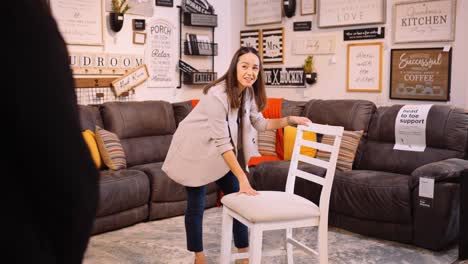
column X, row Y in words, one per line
column 272, row 210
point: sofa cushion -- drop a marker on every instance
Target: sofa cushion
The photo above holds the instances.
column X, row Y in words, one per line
column 181, row 110
column 110, row 149
column 353, row 115
column 163, row 189
column 372, row 195
column 348, row 147
column 121, row 190
column 138, row 119
column 446, row 137
column 90, row 117
column 144, row 128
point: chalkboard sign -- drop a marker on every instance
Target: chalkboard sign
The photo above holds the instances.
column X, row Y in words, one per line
column 131, row 80
column 364, row 71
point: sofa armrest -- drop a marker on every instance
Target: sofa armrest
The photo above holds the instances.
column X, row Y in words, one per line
column 441, row 171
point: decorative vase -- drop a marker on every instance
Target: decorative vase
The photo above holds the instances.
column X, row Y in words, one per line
column 116, row 21
column 311, row 78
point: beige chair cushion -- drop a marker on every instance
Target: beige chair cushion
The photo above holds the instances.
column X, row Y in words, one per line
column 270, row 206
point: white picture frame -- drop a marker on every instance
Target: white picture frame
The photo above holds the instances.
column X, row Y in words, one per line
column 407, row 28
column 364, row 67
column 341, row 13
column 307, row 7
column 262, row 12
column 139, row 38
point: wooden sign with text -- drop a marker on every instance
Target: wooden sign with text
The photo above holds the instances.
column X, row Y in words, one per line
column 131, row 80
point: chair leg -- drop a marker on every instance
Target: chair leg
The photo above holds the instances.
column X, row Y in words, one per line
column 323, row 243
column 255, row 247
column 226, row 238
column 289, row 246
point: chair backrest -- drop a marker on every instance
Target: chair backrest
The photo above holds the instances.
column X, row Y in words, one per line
column 330, row 166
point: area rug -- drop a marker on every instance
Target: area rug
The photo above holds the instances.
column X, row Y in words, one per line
column 163, row 242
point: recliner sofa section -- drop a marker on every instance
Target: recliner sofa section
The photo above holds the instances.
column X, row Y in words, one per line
column 142, row 191
column 380, row 196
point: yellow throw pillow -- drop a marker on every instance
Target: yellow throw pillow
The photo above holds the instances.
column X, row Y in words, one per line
column 90, row 139
column 290, row 137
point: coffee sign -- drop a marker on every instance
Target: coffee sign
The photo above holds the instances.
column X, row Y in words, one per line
column 420, row 74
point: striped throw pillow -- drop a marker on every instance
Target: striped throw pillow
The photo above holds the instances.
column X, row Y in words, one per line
column 348, row 148
column 111, row 150
column 267, row 143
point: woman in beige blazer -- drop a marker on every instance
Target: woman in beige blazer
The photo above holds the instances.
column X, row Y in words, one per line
column 215, row 141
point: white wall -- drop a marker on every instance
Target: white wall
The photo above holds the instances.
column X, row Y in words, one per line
column 121, row 43
column 331, row 83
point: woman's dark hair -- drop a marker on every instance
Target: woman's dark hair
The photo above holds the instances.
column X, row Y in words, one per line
column 232, row 85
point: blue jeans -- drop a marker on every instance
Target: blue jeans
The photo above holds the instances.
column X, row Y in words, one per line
column 194, row 214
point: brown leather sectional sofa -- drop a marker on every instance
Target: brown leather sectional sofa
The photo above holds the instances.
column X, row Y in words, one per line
column 378, row 198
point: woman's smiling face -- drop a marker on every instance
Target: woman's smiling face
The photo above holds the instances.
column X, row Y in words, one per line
column 247, row 70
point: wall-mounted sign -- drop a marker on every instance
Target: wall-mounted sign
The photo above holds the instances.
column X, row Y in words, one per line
column 168, row 3
column 259, row 12
column 130, row 80
column 138, row 24
column 420, row 74
column 272, row 48
column 250, row 38
column 79, row 21
column 162, row 53
column 197, row 6
column 103, row 63
column 337, row 13
column 314, row 45
column 284, row 77
column 364, row 33
column 302, row 25
column 202, row 20
column 364, row 71
column 424, row 21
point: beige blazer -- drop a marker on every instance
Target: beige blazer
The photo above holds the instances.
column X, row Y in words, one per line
column 195, row 155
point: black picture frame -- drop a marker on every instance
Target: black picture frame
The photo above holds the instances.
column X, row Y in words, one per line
column 165, row 3
column 430, row 80
column 138, row 24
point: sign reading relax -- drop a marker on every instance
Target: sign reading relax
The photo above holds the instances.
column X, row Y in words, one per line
column 293, row 77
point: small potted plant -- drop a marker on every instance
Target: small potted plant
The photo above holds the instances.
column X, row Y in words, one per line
column 119, row 8
column 311, row 76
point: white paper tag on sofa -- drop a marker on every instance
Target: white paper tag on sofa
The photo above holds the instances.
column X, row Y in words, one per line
column 426, row 191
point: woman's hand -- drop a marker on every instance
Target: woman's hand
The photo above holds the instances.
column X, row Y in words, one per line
column 244, row 187
column 298, row 120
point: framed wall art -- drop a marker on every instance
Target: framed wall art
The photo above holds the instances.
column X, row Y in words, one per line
column 338, row 13
column 251, row 38
column 424, row 21
column 139, row 38
column 364, row 68
column 420, row 74
column 79, row 21
column 259, row 12
column 272, row 45
column 307, row 7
